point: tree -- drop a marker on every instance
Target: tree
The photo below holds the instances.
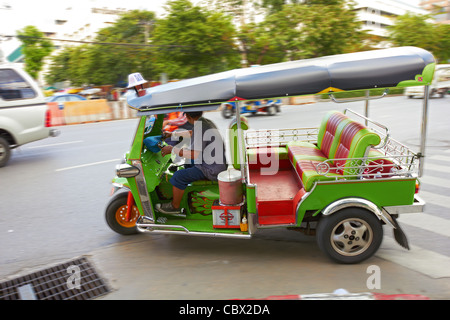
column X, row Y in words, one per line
column 112, row 63
column 442, row 50
column 302, row 31
column 35, row 48
column 419, row 31
column 116, row 51
column 193, row 41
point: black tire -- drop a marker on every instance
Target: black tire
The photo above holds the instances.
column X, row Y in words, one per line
column 5, row 152
column 115, row 215
column 350, row 235
column 226, row 112
column 271, row 110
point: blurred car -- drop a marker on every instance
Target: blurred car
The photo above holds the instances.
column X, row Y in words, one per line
column 61, row 98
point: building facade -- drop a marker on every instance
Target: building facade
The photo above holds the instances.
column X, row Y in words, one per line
column 439, row 8
column 376, row 15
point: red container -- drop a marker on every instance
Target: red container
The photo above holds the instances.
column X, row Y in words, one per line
column 230, row 187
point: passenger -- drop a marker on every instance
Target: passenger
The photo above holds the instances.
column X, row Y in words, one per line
column 206, row 153
column 175, row 121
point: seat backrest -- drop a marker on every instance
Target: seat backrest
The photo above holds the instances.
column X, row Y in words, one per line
column 355, row 142
column 329, row 132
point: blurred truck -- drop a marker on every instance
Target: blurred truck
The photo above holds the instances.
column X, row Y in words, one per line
column 24, row 114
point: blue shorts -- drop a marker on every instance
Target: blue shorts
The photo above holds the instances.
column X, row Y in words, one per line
column 182, row 178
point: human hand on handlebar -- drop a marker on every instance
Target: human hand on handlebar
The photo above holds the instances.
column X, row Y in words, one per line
column 166, row 150
column 166, row 134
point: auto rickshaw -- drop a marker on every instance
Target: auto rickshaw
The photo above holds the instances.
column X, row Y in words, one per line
column 269, row 107
column 340, row 180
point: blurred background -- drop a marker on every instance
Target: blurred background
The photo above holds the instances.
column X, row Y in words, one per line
column 94, row 43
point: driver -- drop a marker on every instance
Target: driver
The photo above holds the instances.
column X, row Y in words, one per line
column 207, row 159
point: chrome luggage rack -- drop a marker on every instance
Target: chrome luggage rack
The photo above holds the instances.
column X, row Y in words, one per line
column 278, row 137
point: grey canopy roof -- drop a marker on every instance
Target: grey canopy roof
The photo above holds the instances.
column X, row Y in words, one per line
column 361, row 70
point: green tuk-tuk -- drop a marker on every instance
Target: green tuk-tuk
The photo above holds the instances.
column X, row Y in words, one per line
column 341, row 179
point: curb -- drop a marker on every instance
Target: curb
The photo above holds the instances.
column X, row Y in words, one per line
column 342, row 294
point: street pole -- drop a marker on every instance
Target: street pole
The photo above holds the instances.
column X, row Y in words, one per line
column 423, row 129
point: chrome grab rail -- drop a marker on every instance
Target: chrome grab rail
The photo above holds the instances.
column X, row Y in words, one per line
column 144, row 224
column 386, row 91
column 384, row 135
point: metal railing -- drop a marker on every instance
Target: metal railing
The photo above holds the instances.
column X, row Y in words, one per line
column 279, row 137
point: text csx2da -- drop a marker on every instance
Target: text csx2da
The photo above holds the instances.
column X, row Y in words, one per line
column 245, row 309
column 229, row 309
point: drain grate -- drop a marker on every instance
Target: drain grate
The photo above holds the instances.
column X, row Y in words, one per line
column 73, row 280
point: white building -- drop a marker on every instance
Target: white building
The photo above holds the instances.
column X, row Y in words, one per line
column 70, row 24
column 376, row 15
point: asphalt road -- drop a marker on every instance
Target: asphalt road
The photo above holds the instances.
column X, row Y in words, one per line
column 53, row 194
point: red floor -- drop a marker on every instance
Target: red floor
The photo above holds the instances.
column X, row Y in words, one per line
column 277, row 196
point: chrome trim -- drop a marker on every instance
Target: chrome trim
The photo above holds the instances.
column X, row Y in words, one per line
column 416, row 207
column 126, row 171
column 148, row 226
column 423, row 129
column 360, row 203
column 143, row 191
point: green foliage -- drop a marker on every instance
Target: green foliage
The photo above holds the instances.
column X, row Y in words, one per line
column 442, row 47
column 362, row 93
column 193, row 41
column 35, row 48
column 417, row 30
column 302, row 31
column 115, row 54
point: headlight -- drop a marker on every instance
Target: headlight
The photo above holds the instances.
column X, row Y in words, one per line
column 126, row 171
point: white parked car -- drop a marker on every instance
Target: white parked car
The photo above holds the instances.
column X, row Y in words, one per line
column 24, row 114
column 439, row 87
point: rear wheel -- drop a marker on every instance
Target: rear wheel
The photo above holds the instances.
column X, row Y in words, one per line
column 271, row 110
column 116, row 215
column 349, row 235
column 227, row 112
column 5, row 151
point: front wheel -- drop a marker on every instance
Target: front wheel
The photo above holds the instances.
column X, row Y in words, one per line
column 116, row 215
column 349, row 235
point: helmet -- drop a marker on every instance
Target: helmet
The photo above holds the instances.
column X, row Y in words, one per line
column 135, row 79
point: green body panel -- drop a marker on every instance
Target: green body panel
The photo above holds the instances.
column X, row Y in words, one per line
column 233, row 141
column 121, row 181
column 423, row 79
column 202, row 198
column 381, row 192
column 137, row 152
column 250, row 192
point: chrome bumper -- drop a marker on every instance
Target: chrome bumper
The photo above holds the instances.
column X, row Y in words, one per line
column 416, row 207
